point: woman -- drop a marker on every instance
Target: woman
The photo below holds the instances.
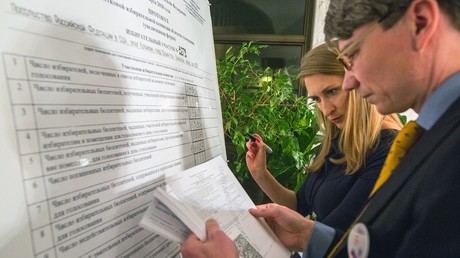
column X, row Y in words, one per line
column 356, row 140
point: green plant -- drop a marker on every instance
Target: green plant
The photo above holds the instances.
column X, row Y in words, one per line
column 252, row 103
column 403, row 118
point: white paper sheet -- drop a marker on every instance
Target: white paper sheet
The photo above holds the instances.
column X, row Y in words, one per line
column 98, row 100
column 210, row 190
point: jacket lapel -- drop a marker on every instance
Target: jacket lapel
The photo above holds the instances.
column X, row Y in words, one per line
column 409, row 165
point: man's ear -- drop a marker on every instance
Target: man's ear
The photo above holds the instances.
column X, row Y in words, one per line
column 424, row 18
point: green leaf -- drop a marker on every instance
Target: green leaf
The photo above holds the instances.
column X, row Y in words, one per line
column 270, row 108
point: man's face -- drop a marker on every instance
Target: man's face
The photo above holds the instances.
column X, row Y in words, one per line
column 383, row 67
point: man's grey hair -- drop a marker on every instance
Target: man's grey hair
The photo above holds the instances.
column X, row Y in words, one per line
column 344, row 16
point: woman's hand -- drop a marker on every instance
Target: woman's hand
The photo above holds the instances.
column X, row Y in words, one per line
column 256, row 158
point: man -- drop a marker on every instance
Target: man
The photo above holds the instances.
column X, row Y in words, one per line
column 398, row 54
column 402, row 54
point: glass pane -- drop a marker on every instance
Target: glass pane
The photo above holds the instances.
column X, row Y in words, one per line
column 280, row 17
column 274, row 56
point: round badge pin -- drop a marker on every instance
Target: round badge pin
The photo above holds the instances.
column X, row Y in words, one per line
column 358, row 241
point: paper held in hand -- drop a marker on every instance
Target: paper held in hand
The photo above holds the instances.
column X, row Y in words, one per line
column 210, row 190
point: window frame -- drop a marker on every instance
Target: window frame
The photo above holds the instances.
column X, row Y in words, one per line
column 304, row 41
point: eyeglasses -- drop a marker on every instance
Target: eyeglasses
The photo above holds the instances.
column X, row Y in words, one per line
column 345, row 56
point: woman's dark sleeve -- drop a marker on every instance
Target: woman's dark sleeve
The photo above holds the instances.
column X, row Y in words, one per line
column 302, row 205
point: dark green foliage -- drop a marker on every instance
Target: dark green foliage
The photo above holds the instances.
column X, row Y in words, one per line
column 270, row 108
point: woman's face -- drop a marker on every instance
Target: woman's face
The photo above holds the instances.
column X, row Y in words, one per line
column 326, row 91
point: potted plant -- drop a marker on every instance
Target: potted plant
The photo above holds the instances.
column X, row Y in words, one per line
column 261, row 100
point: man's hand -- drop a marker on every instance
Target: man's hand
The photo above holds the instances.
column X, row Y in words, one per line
column 291, row 228
column 216, row 245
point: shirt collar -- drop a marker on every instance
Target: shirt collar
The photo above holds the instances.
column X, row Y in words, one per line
column 439, row 101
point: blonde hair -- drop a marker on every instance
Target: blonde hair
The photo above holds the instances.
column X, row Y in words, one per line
column 361, row 131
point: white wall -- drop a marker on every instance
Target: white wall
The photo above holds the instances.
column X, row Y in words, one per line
column 320, row 13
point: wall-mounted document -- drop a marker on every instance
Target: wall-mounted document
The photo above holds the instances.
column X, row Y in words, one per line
column 98, row 100
column 210, row 190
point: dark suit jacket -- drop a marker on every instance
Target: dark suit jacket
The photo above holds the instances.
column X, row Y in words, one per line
column 416, row 213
